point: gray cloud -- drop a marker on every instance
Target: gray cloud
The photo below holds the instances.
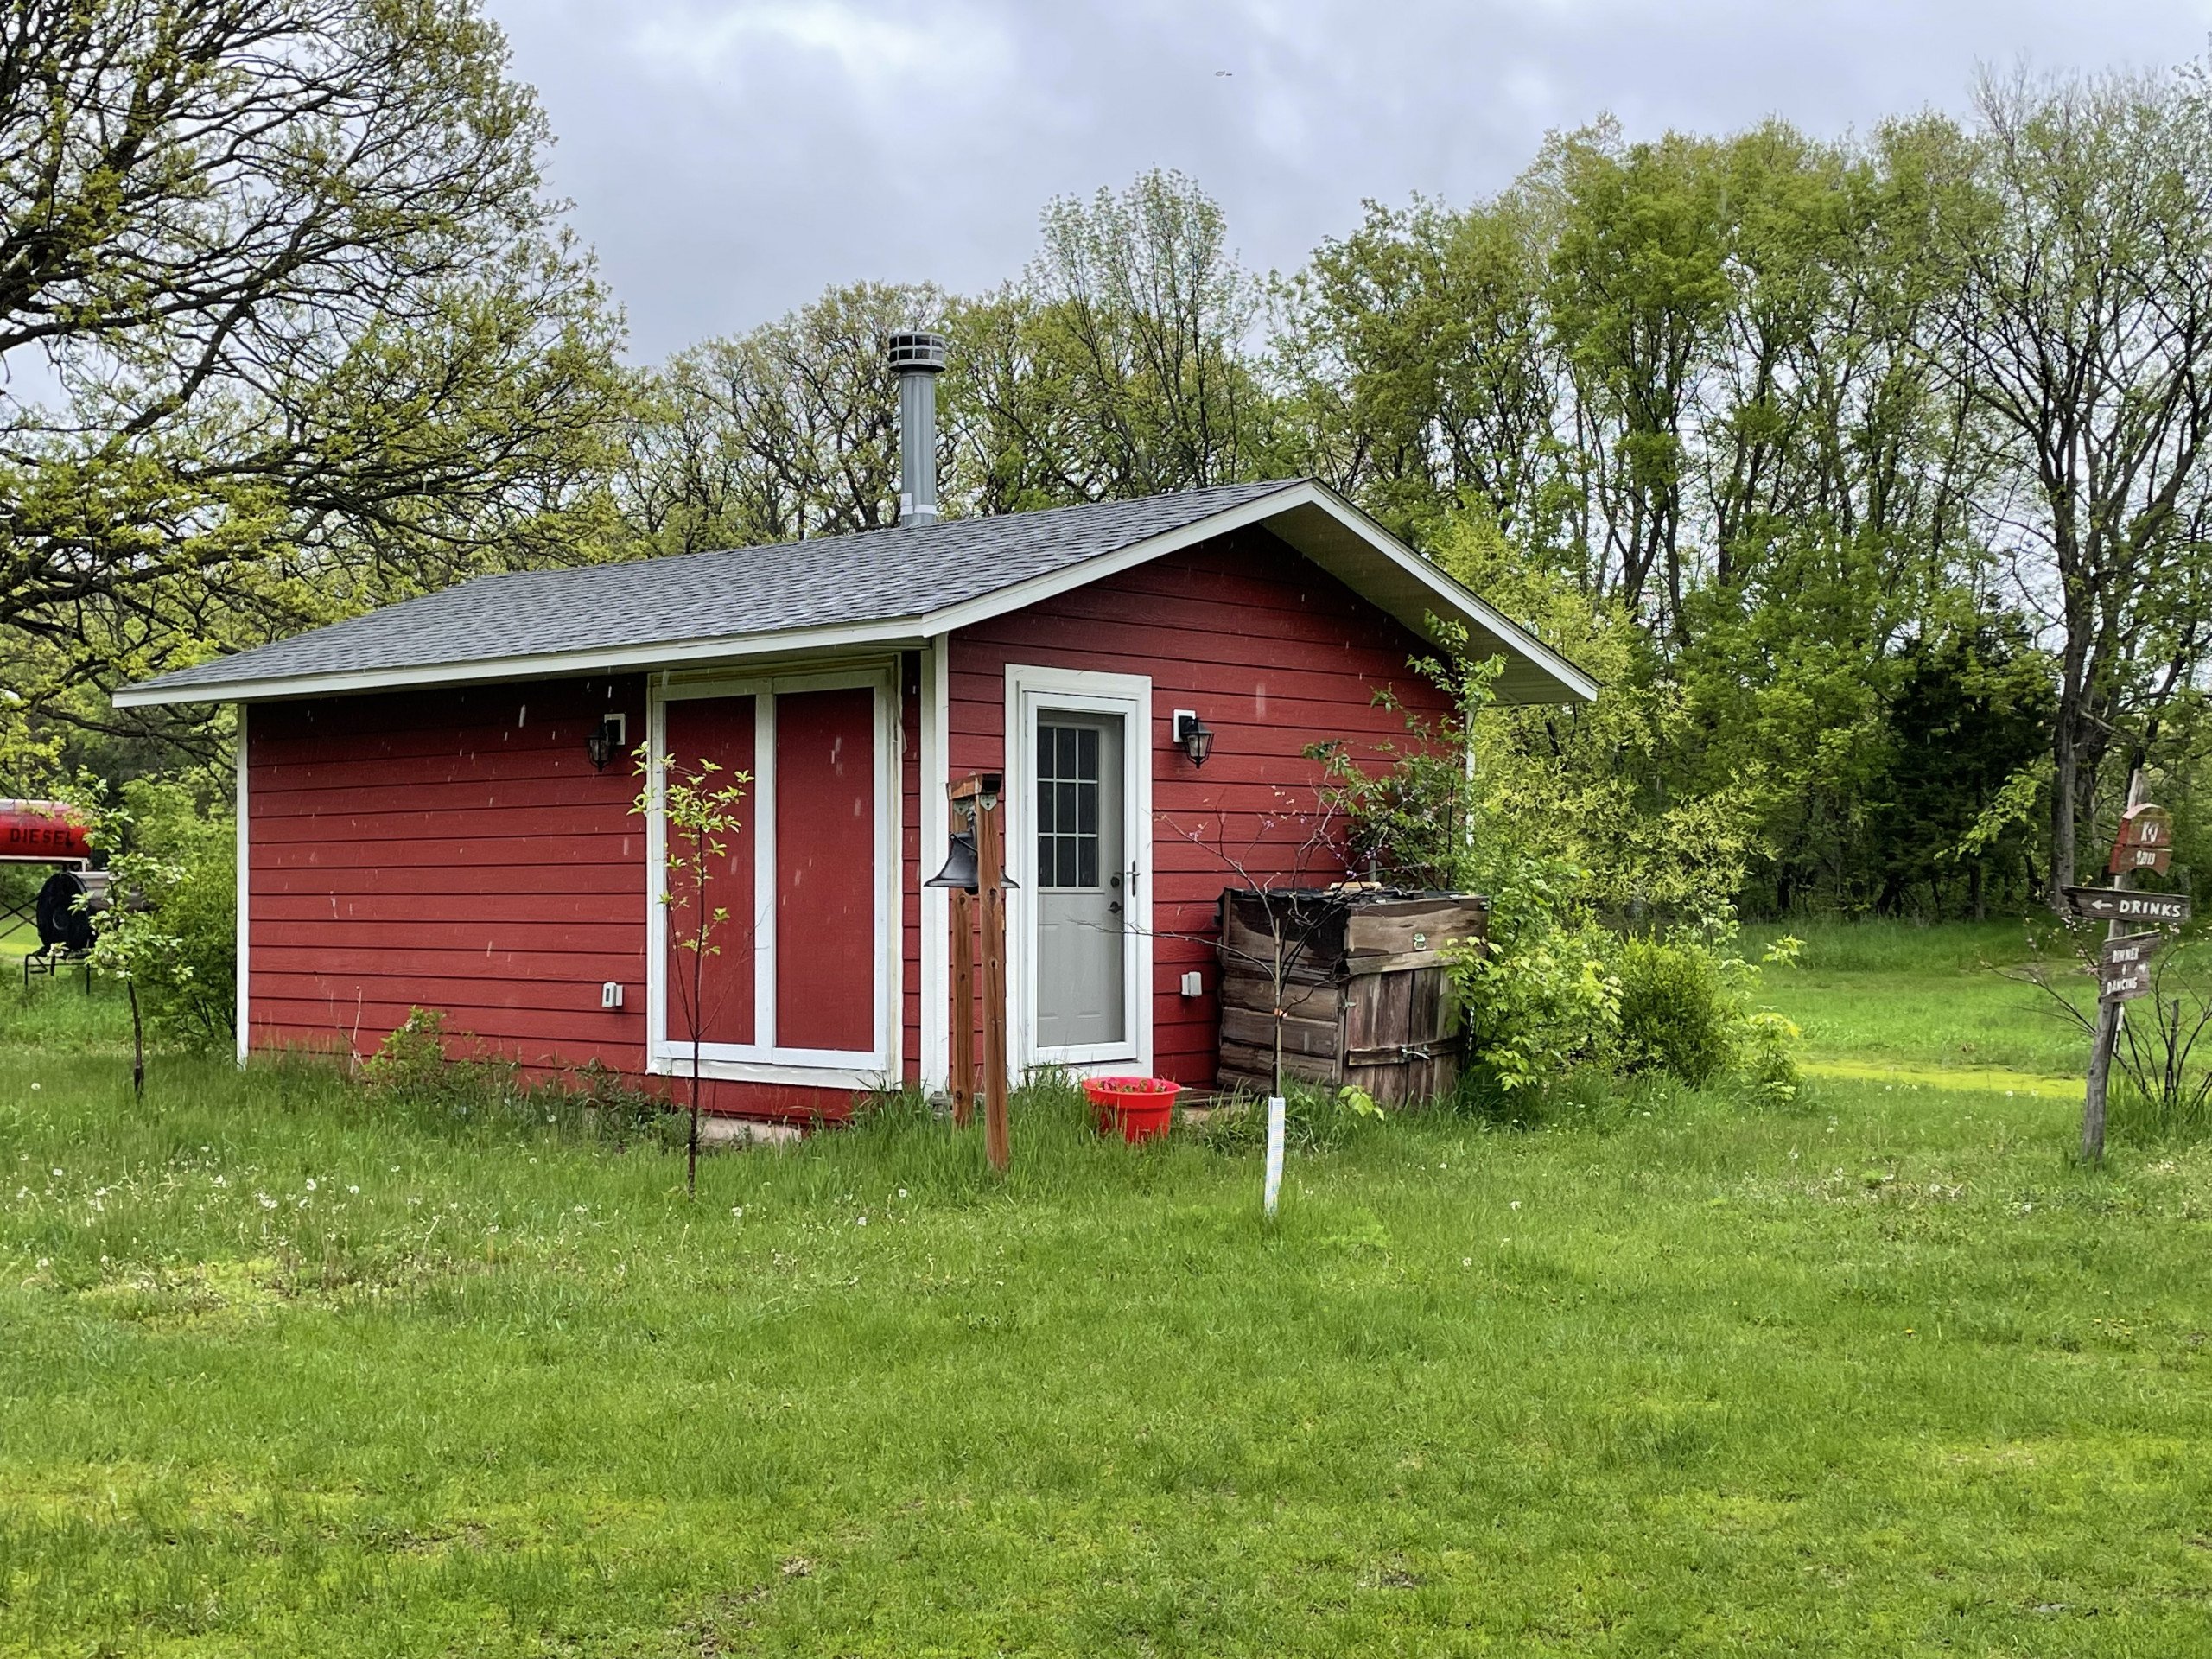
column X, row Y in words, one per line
column 730, row 158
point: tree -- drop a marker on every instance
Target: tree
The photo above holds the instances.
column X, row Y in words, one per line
column 286, row 323
column 1413, row 352
column 697, row 816
column 789, row 431
column 1118, row 365
column 2083, row 333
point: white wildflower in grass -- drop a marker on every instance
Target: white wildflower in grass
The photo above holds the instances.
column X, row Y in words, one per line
column 310, row 1183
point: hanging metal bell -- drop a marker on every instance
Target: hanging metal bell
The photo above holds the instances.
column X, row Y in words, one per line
column 959, row 869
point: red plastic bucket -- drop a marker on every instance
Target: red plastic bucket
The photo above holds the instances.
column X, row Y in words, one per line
column 1142, row 1108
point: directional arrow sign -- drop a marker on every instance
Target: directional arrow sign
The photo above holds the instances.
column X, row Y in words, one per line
column 2129, row 950
column 2107, row 905
column 2118, row 983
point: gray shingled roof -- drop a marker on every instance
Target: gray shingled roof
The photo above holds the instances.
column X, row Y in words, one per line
column 880, row 575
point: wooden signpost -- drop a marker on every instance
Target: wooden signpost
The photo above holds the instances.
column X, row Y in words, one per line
column 2145, row 843
column 977, row 797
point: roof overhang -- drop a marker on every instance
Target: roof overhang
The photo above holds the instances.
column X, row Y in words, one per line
column 1313, row 520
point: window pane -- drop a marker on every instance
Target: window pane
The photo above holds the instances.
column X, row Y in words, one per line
column 1067, row 736
column 1068, row 871
column 1086, row 808
column 1064, row 809
column 1087, row 870
column 1087, row 752
column 1044, row 824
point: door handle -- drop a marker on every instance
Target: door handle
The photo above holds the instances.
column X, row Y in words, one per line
column 1113, row 908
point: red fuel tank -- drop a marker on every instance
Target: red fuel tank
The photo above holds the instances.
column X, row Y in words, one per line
column 42, row 832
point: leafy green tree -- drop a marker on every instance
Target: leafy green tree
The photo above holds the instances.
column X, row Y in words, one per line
column 1119, row 365
column 1412, row 355
column 698, row 805
column 289, row 325
column 2083, row 333
column 788, row 431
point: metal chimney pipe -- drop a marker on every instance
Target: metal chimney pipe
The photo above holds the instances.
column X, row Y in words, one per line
column 917, row 357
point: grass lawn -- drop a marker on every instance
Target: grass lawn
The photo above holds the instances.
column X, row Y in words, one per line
column 285, row 1370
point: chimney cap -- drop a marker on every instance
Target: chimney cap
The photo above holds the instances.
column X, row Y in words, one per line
column 912, row 350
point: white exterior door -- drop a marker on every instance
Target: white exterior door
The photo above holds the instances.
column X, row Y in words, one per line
column 1083, row 880
column 1078, row 795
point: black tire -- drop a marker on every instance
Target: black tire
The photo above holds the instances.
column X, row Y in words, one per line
column 60, row 922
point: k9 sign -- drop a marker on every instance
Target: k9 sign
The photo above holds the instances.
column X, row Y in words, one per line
column 2145, row 841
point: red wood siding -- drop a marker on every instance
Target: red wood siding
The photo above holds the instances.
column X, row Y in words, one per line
column 452, row 850
column 825, row 867
column 720, row 730
column 1274, row 655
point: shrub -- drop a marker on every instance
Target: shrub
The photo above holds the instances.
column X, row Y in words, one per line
column 1767, row 1055
column 173, row 931
column 1676, row 1012
column 412, row 1059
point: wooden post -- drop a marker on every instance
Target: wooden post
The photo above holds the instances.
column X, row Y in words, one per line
column 990, row 876
column 963, row 1007
column 2109, row 1013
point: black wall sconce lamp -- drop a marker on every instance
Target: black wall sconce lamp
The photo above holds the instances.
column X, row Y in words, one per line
column 1193, row 736
column 606, row 741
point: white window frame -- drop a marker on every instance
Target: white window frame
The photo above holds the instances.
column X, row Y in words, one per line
column 1029, row 690
column 765, row 1060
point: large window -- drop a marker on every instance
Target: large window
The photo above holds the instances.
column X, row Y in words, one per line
column 803, row 978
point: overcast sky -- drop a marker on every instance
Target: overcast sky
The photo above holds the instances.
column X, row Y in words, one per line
column 729, row 159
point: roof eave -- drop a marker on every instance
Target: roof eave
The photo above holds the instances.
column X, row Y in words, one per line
column 618, row 660
column 1312, row 519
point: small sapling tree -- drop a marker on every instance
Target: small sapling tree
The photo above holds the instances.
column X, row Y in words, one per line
column 698, row 807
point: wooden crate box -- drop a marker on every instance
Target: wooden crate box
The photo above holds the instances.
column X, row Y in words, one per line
column 1365, row 1000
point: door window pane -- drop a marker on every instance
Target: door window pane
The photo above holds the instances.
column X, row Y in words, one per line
column 1067, row 807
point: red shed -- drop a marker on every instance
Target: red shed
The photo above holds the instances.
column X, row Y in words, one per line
column 422, row 822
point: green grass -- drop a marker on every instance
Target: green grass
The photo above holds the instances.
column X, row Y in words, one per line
column 284, row 1369
column 1892, row 998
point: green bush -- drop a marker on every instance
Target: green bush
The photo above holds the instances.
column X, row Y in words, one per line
column 172, row 858
column 1766, row 1055
column 1677, row 1014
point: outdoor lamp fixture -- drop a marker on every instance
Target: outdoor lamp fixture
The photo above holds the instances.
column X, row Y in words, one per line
column 605, row 741
column 1193, row 736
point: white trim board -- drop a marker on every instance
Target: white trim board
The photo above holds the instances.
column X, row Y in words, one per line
column 935, row 773
column 763, row 1060
column 245, row 1011
column 1028, row 690
column 1312, row 519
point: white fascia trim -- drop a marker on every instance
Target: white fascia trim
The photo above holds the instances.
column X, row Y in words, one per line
column 244, row 1015
column 1463, row 600
column 1453, row 598
column 936, row 831
column 709, row 653
column 908, row 633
